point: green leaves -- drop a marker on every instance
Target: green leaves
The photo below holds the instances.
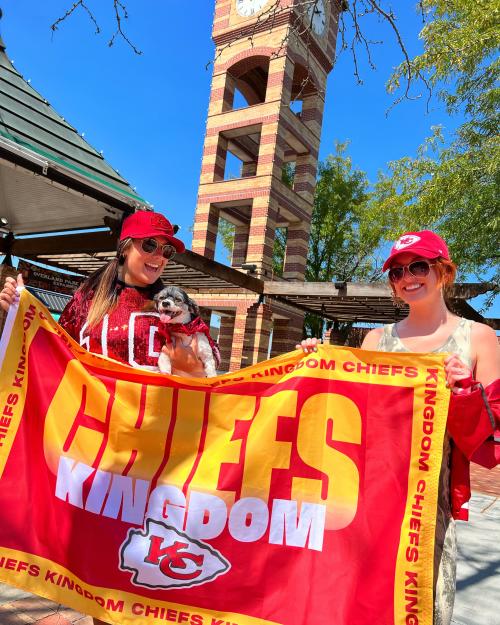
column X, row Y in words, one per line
column 452, row 185
column 344, row 235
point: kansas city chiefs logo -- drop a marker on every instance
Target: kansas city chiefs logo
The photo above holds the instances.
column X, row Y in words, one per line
column 405, row 241
column 163, row 557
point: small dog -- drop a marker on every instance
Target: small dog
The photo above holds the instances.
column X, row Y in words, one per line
column 189, row 349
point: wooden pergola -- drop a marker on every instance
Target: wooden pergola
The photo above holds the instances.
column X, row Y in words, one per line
column 367, row 303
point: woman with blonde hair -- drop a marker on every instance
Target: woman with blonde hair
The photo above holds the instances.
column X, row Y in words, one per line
column 109, row 314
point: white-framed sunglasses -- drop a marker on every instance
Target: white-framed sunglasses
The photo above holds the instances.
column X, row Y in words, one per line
column 417, row 269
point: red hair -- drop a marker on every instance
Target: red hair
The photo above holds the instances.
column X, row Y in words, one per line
column 446, row 271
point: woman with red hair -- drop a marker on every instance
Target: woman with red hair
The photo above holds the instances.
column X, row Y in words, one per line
column 420, row 273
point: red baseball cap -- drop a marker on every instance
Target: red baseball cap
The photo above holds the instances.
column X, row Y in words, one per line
column 143, row 224
column 424, row 243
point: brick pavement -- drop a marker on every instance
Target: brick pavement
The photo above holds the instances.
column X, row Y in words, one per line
column 20, row 608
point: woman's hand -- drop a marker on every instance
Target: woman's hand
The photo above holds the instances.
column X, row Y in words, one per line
column 458, row 374
column 9, row 295
column 308, row 346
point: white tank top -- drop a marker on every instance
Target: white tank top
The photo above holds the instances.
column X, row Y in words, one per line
column 459, row 341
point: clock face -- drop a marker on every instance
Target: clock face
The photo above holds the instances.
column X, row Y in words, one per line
column 316, row 16
column 247, row 8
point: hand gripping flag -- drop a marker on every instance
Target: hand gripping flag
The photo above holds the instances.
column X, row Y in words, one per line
column 298, row 491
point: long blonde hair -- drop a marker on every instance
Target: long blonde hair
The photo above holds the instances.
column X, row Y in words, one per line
column 102, row 287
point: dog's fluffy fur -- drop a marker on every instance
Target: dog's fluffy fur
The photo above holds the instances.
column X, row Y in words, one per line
column 176, row 307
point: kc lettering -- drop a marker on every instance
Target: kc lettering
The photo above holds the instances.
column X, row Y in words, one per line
column 173, row 558
column 161, row 556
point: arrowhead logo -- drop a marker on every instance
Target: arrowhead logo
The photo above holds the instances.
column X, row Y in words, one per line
column 406, row 241
column 163, row 557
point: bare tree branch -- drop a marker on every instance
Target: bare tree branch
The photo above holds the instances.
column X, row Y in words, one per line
column 411, row 72
column 351, row 31
column 81, row 4
column 117, row 7
column 120, row 13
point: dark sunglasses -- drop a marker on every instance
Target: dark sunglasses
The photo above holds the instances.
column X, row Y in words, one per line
column 150, row 246
column 417, row 269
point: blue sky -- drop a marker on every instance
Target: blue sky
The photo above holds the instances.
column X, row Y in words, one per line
column 147, row 113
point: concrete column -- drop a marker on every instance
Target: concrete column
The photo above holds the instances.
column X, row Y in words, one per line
column 261, row 235
column 333, row 336
column 304, row 181
column 297, row 243
column 206, row 314
column 249, row 169
column 228, row 93
column 240, row 321
column 240, row 245
column 219, row 166
column 206, row 225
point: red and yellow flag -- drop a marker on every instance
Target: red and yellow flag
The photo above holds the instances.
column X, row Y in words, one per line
column 299, row 491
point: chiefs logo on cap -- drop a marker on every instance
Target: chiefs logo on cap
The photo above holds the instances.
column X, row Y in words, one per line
column 405, row 241
column 159, row 221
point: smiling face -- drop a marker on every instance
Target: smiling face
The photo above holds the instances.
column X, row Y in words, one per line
column 141, row 268
column 412, row 289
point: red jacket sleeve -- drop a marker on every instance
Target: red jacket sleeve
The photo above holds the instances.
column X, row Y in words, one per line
column 474, row 425
column 473, row 417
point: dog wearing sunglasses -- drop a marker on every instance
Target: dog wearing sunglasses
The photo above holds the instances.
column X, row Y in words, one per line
column 189, row 349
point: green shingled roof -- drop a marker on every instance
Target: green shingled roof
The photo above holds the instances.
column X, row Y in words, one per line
column 28, row 120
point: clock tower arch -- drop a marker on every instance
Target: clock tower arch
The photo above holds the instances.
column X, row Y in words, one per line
column 265, row 114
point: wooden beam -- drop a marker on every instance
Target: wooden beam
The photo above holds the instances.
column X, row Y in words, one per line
column 95, row 242
column 220, row 271
column 79, row 242
column 322, row 290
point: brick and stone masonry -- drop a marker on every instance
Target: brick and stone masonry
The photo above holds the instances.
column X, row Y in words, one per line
column 263, row 59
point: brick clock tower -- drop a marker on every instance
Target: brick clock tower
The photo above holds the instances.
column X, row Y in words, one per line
column 260, row 157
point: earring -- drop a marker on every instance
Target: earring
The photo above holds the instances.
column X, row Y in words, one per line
column 397, row 301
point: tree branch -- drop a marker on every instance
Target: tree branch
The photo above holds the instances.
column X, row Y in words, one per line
column 120, row 13
column 81, row 4
column 351, row 32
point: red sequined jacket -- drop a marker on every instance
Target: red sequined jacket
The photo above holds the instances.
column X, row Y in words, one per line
column 129, row 334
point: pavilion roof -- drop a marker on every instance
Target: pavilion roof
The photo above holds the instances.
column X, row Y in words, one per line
column 46, row 166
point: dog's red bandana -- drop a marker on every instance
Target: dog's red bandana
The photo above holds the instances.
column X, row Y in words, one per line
column 195, row 325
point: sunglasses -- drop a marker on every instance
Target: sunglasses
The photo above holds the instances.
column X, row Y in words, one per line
column 417, row 269
column 151, row 246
